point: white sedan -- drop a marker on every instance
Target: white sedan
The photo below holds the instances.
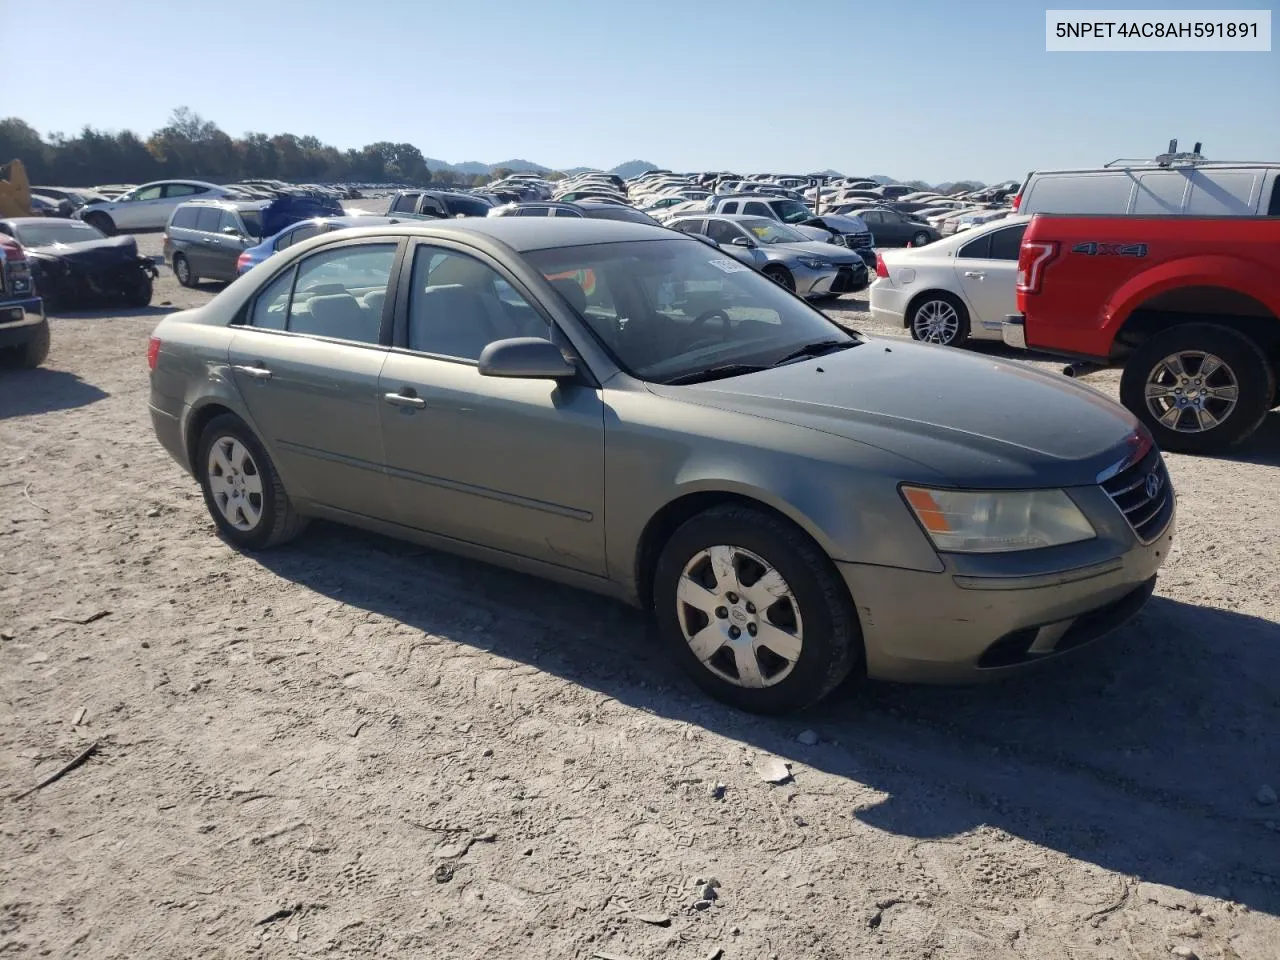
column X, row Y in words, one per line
column 962, row 286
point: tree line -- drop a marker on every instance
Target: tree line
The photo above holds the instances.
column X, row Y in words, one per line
column 189, row 146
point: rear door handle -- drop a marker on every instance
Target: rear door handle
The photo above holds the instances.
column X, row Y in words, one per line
column 977, row 274
column 256, row 373
column 406, row 398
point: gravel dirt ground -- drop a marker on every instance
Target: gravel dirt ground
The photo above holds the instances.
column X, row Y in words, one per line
column 352, row 747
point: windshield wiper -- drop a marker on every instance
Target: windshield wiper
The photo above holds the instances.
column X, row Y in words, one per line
column 717, row 373
column 815, row 349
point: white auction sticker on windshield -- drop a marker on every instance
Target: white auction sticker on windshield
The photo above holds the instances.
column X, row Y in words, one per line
column 729, row 266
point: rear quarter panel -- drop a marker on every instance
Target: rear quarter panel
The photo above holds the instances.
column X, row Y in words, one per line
column 1106, row 267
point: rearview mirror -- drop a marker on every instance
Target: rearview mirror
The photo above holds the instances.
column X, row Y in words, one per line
column 743, row 242
column 231, row 231
column 529, row 358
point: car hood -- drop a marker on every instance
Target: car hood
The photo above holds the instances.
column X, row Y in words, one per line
column 91, row 253
column 976, row 421
column 833, row 253
column 839, row 222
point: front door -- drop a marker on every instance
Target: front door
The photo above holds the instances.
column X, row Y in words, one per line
column 512, row 464
column 307, row 363
column 139, row 209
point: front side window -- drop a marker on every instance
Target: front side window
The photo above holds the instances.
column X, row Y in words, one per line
column 756, row 209
column 146, row 193
column 467, row 206
column 533, row 212
column 770, row 231
column 722, row 231
column 337, row 293
column 791, row 211
column 459, row 305
column 298, row 234
column 682, row 312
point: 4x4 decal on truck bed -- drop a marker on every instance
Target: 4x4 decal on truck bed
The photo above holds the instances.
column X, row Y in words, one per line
column 1094, row 249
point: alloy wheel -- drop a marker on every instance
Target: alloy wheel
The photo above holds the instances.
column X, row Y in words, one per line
column 936, row 321
column 739, row 616
column 1191, row 391
column 235, row 483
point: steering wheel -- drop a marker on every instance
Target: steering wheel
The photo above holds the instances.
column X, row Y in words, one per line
column 705, row 317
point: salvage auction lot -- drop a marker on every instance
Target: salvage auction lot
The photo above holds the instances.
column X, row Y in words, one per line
column 354, row 746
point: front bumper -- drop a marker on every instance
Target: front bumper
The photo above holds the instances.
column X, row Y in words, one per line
column 20, row 321
column 948, row 627
column 1014, row 331
column 831, row 280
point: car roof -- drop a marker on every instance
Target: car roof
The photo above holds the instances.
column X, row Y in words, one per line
column 32, row 221
column 524, row 234
column 227, row 204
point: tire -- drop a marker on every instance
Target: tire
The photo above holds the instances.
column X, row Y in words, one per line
column 182, row 270
column 921, row 239
column 939, row 317
column 1242, row 366
column 102, row 221
column 137, row 290
column 276, row 521
column 29, row 355
column 781, row 276
column 815, row 621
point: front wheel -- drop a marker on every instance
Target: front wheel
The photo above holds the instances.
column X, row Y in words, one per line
column 1199, row 388
column 31, row 354
column 241, row 487
column 754, row 611
column 782, row 277
column 920, row 239
column 137, row 290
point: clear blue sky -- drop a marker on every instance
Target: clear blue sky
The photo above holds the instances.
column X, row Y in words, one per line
column 929, row 89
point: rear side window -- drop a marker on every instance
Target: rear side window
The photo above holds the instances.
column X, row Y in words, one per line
column 1106, row 193
column 467, row 207
column 1216, row 194
column 406, row 202
column 691, row 226
column 184, row 217
column 272, row 305
column 305, row 232
column 757, row 210
column 1006, row 243
column 1160, row 193
column 979, row 249
column 181, row 190
column 340, row 293
column 1274, row 209
column 208, row 219
column 533, row 212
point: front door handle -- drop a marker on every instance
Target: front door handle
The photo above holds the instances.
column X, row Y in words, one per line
column 976, row 274
column 406, row 398
column 257, row 373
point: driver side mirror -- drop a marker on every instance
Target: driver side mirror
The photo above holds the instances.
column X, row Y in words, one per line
column 743, row 242
column 231, row 231
column 526, row 358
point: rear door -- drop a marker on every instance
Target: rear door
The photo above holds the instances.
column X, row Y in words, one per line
column 987, row 268
column 307, row 360
column 173, row 194
column 202, row 252
column 141, row 209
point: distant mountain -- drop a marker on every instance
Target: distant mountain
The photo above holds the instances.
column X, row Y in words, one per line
column 633, row 168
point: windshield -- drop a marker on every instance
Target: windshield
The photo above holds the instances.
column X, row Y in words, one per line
column 668, row 309
column 770, row 231
column 56, row 231
column 791, row 211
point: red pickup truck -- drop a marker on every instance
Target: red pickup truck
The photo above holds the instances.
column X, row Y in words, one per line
column 1190, row 306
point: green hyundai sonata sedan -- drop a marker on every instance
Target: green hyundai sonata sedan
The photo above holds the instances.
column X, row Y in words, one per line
column 628, row 410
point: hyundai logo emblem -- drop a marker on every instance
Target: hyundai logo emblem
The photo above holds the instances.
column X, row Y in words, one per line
column 1153, row 484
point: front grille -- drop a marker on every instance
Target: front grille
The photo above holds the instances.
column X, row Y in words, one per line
column 843, row 282
column 857, row 241
column 1144, row 494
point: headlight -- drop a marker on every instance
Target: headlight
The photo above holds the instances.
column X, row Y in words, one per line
column 812, row 263
column 960, row 521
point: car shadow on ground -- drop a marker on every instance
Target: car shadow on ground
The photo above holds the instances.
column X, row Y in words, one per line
column 1142, row 754
column 27, row 392
column 111, row 312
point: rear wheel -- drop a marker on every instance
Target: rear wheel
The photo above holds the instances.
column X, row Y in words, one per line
column 1199, row 388
column 102, row 221
column 182, row 270
column 940, row 318
column 781, row 276
column 754, row 611
column 29, row 355
column 241, row 487
column 920, row 239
